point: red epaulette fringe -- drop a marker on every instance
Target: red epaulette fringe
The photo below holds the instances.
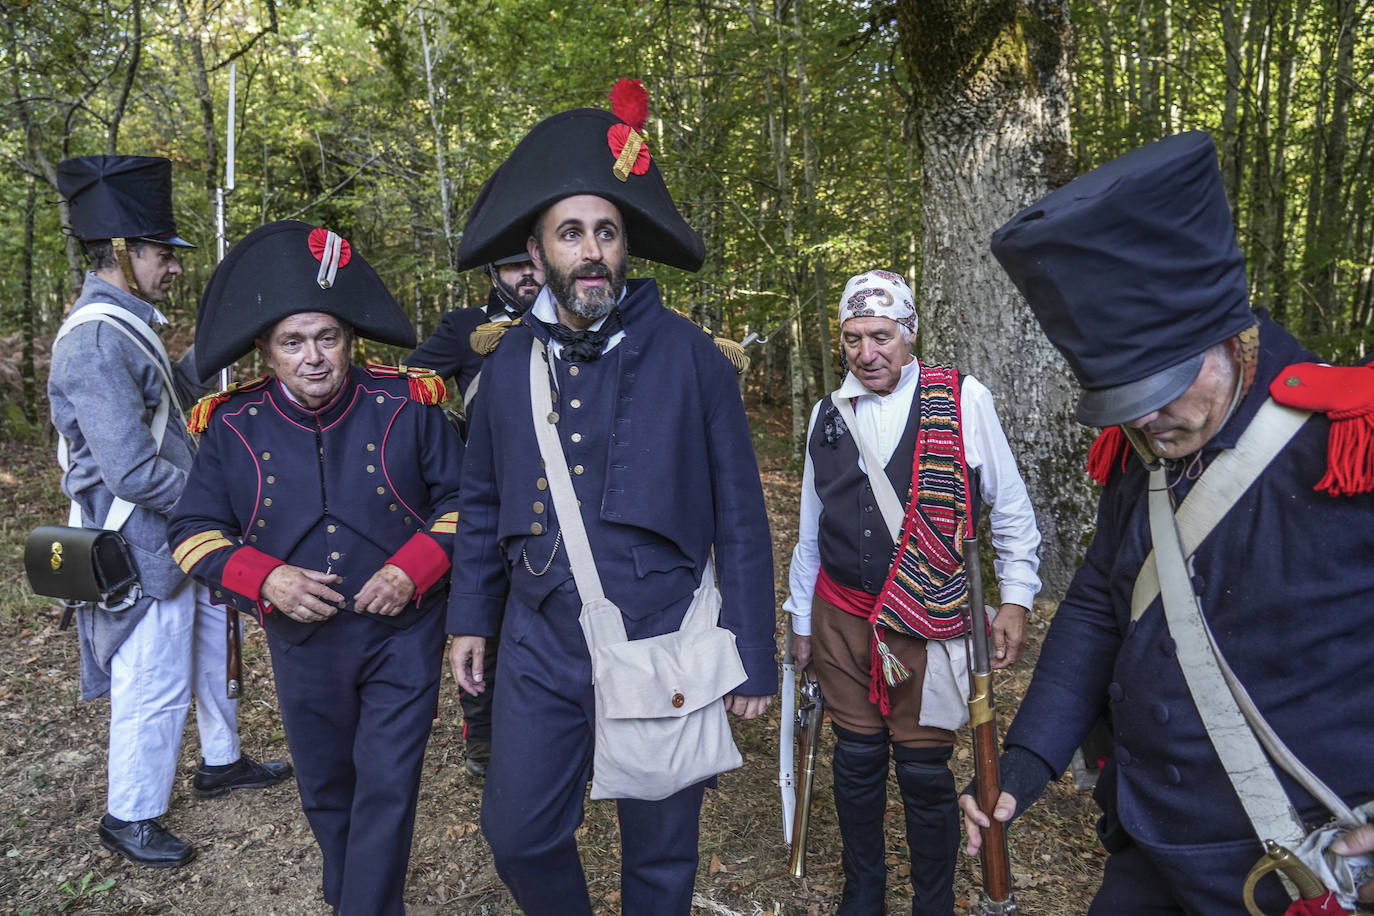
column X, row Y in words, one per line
column 1108, row 454
column 1346, row 395
column 199, row 420
column 425, row 386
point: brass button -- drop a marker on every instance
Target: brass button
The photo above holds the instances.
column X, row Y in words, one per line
column 252, row 411
column 271, row 479
column 407, row 520
column 542, row 483
column 262, row 523
column 536, row 528
column 576, row 402
column 553, row 416
column 381, row 491
column 678, row 700
column 331, row 528
column 381, row 399
column 578, row 469
column 371, row 447
column 266, row 456
column 219, row 594
column 253, row 538
column 392, row 507
column 538, row 507
column 554, row 394
column 267, row 501
column 573, row 370
column 372, row 468
column 334, row 555
column 1292, row 381
column 576, row 437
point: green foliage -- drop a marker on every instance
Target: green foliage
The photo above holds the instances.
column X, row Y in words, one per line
column 84, row 891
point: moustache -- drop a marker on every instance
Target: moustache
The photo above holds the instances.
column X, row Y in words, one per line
column 593, row 269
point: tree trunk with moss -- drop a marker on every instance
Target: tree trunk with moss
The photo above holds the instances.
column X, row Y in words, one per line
column 990, row 102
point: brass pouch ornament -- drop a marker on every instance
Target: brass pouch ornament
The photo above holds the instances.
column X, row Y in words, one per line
column 82, row 566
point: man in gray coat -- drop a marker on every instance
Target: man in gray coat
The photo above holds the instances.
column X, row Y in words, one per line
column 116, row 401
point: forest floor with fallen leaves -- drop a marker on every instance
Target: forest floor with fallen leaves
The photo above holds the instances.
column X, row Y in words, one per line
column 255, row 851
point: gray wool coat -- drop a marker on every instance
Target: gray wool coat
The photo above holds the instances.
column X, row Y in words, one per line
column 102, row 392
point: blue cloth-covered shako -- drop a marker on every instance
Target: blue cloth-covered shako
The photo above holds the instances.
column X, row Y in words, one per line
column 120, row 197
column 1133, row 272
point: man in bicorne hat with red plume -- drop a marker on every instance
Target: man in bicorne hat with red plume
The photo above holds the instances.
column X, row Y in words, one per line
column 649, row 416
column 323, row 501
column 1233, row 556
column 117, row 401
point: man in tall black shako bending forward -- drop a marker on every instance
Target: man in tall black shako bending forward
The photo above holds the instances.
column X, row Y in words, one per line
column 649, row 417
column 1238, row 518
column 323, row 498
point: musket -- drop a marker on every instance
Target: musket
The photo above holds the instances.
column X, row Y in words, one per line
column 809, row 714
column 997, row 896
column 787, row 782
column 233, row 635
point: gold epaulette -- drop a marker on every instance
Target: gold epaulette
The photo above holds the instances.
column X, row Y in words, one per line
column 199, row 420
column 425, row 384
column 486, row 336
column 733, row 351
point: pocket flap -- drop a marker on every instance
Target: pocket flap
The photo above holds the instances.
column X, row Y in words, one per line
column 667, row 676
column 658, row 558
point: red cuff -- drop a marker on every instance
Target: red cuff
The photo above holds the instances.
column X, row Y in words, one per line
column 246, row 570
column 423, row 560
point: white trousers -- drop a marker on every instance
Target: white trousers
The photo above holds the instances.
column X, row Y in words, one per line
column 177, row 648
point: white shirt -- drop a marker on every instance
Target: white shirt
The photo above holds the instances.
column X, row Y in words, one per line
column 881, row 420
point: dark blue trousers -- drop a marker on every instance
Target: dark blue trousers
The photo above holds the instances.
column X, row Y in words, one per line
column 357, row 700
column 1184, row 881
column 542, row 740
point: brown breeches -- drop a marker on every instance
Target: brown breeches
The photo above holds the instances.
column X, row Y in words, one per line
column 842, row 649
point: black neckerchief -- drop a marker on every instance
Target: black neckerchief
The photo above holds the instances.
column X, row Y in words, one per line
column 584, row 346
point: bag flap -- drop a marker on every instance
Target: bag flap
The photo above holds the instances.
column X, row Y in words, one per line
column 81, row 564
column 666, row 676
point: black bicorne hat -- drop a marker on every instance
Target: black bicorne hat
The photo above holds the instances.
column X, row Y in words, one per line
column 1133, row 272
column 120, row 197
column 577, row 152
column 282, row 269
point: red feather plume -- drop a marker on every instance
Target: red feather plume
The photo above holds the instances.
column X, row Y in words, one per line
column 630, row 102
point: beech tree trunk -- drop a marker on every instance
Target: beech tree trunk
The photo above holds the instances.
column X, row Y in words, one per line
column 990, row 91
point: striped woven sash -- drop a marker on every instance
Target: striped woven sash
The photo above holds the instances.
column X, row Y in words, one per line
column 926, row 584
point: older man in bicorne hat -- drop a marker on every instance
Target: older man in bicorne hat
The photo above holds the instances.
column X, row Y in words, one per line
column 649, row 418
column 323, row 500
column 117, row 401
column 1222, row 610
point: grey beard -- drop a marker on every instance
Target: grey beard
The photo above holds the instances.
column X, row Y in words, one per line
column 599, row 305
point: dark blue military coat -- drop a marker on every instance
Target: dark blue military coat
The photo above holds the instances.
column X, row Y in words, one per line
column 448, row 352
column 681, row 477
column 371, row 478
column 1287, row 584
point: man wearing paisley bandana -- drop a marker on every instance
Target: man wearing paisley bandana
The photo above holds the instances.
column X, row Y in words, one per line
column 843, row 580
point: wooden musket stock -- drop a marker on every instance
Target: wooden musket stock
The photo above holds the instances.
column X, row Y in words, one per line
column 993, row 855
column 233, row 649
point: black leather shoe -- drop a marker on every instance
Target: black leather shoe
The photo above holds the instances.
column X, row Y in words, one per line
column 145, row 842
column 478, row 756
column 244, row 773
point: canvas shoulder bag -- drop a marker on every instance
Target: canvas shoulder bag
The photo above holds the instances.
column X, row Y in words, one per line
column 660, row 722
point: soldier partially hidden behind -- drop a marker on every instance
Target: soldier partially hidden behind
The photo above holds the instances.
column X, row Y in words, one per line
column 323, row 498
column 1235, row 531
column 515, row 282
column 117, row 403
